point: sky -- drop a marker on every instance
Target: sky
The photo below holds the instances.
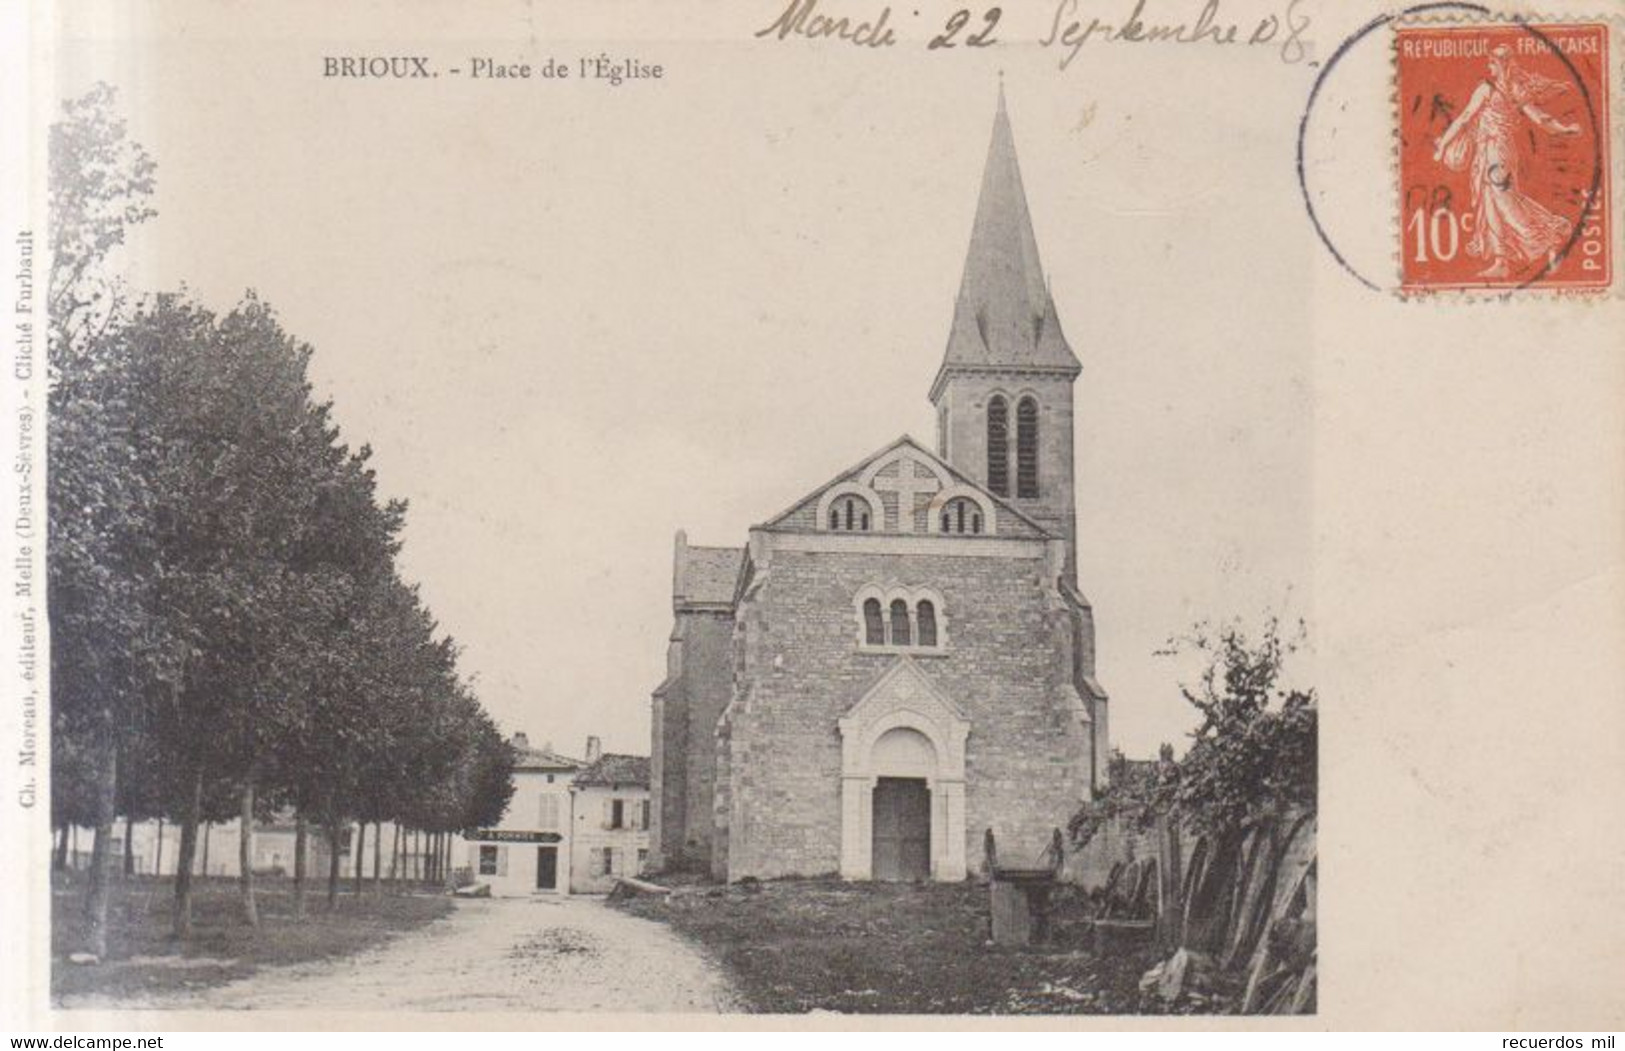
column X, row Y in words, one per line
column 572, row 319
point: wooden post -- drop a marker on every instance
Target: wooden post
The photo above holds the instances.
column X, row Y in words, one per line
column 360, row 851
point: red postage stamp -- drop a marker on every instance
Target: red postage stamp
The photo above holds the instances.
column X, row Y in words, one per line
column 1503, row 157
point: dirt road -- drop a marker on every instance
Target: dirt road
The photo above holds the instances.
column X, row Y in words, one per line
column 539, row 954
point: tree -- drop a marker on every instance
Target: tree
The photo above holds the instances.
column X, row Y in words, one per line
column 1251, row 764
column 100, row 185
column 103, row 649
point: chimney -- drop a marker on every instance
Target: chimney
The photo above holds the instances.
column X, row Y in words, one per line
column 521, row 741
column 594, row 749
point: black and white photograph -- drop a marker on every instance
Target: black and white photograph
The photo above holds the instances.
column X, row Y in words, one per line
column 549, row 515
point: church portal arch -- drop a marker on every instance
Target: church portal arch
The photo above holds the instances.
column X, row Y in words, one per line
column 903, row 729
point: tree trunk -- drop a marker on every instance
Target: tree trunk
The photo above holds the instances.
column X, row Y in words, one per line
column 332, row 862
column 245, row 855
column 60, row 862
column 395, row 855
column 183, row 862
column 129, row 846
column 360, row 851
column 101, row 857
column 158, row 850
column 377, row 855
column 299, row 866
column 208, row 826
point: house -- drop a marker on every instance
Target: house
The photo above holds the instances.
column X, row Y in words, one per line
column 610, row 837
column 902, row 659
column 528, row 851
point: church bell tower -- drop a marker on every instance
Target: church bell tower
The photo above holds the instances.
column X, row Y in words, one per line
column 1004, row 391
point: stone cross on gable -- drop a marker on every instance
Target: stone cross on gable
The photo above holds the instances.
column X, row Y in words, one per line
column 906, row 485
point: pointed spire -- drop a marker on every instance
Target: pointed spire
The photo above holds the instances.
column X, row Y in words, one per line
column 1004, row 315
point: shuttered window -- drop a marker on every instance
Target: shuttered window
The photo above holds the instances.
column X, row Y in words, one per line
column 998, row 446
column 547, row 818
column 1027, row 448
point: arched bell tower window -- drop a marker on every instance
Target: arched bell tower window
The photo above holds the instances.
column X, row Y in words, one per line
column 900, row 635
column 874, row 624
column 961, row 515
column 1027, row 448
column 998, row 446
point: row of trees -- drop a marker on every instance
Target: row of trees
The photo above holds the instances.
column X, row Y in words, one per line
column 230, row 631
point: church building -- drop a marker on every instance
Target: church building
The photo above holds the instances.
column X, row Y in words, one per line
column 902, row 660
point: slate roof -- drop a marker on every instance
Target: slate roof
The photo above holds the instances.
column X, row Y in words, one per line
column 1004, row 316
column 628, row 771
column 709, row 574
column 529, row 757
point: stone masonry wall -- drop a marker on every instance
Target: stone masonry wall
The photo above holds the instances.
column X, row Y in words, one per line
column 668, row 758
column 708, row 683
column 1028, row 761
column 967, row 395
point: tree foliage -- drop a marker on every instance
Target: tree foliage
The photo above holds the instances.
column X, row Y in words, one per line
column 230, row 630
column 1252, row 755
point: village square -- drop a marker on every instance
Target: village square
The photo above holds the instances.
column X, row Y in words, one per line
column 879, row 776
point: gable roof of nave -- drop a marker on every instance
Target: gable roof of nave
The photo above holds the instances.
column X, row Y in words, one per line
column 801, row 516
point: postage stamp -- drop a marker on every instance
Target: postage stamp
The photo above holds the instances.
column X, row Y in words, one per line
column 1503, row 156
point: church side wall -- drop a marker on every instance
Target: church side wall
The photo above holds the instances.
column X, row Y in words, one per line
column 1027, row 756
column 668, row 758
column 708, row 683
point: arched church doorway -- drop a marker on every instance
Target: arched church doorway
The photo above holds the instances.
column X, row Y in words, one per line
column 903, row 780
column 903, row 761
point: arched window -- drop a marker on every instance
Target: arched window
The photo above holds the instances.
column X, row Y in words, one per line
column 998, row 446
column 961, row 515
column 851, row 515
column 874, row 625
column 897, row 619
column 899, row 623
column 1027, row 448
column 926, row 616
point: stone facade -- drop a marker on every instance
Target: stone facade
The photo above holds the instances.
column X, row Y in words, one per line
column 903, row 659
column 610, row 834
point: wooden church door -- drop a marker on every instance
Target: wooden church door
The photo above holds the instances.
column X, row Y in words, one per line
column 902, row 829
